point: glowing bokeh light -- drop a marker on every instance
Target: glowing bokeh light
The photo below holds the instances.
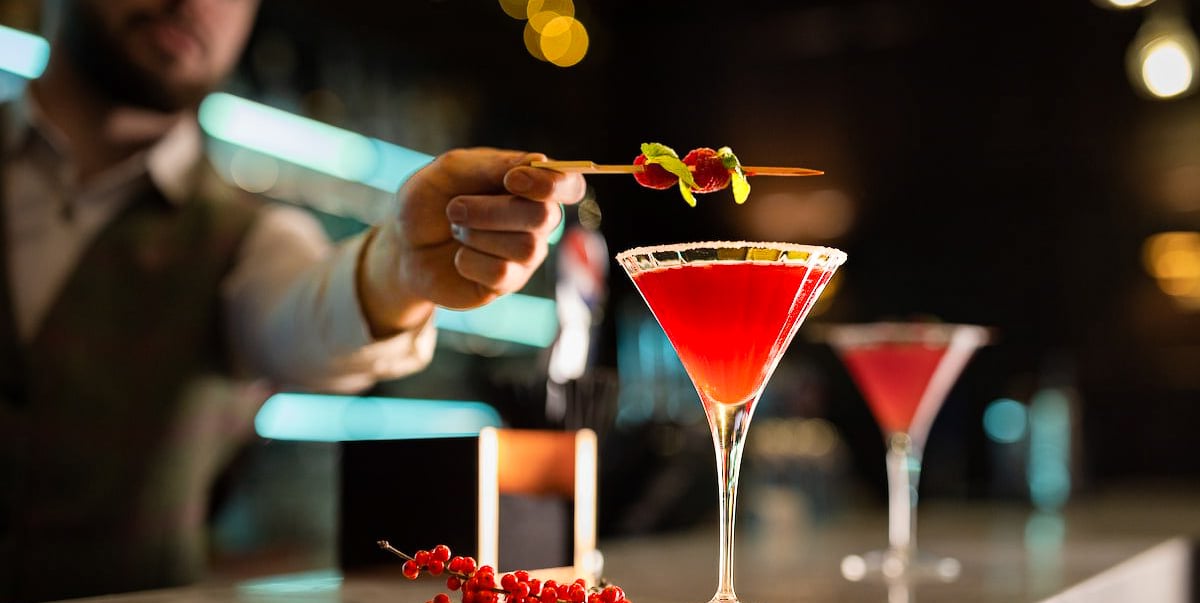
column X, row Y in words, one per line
column 23, row 54
column 299, row 584
column 576, row 46
column 556, row 37
column 517, row 9
column 1167, row 70
column 553, row 34
column 1173, row 259
column 253, row 172
column 564, row 8
column 1124, row 4
column 1049, row 471
column 308, row 143
column 533, row 33
column 1005, row 421
column 322, row 418
column 515, row 318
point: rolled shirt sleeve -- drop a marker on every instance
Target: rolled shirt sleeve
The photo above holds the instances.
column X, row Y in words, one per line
column 294, row 314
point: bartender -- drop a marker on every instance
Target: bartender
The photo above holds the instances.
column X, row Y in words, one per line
column 146, row 308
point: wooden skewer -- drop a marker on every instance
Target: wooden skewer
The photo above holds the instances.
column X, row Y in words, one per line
column 588, row 167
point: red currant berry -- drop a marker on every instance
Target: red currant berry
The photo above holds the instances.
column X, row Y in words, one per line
column 422, row 558
column 709, row 171
column 411, row 569
column 615, row 592
column 441, row 552
column 577, row 594
column 441, row 598
column 453, row 583
column 594, row 598
column 436, row 567
column 508, row 581
column 520, row 591
column 653, row 175
column 521, row 575
column 549, row 595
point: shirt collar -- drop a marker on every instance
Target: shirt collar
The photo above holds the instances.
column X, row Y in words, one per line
column 172, row 160
column 169, row 163
column 16, row 124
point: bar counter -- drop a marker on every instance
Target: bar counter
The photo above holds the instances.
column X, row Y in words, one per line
column 1136, row 544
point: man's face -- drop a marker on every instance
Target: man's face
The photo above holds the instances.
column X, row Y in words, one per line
column 161, row 54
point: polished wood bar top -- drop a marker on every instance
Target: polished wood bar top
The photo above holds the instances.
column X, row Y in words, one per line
column 1133, row 541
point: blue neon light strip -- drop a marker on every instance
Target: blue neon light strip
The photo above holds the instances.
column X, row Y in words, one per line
column 518, row 318
column 309, row 143
column 22, row 53
column 319, row 418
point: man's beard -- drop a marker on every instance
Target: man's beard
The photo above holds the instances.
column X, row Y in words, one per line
column 102, row 62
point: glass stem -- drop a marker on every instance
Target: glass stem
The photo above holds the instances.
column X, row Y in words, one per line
column 729, row 424
column 903, row 473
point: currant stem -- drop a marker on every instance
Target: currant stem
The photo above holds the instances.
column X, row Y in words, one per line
column 387, row 546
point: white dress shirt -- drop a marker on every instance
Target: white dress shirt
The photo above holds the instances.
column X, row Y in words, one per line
column 291, row 301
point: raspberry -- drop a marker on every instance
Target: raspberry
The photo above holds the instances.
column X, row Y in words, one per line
column 653, row 175
column 709, row 171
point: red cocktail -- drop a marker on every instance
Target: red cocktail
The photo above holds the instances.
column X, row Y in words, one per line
column 905, row 371
column 730, row 309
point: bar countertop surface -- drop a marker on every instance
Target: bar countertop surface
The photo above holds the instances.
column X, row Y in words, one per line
column 1102, row 547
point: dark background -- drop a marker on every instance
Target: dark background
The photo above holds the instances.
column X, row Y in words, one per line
column 997, row 165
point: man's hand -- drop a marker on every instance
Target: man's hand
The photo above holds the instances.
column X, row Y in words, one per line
column 471, row 226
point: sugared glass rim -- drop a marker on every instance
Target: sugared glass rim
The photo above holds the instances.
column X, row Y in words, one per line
column 813, row 255
column 850, row 335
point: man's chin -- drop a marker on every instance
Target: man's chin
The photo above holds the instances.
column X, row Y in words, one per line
column 156, row 92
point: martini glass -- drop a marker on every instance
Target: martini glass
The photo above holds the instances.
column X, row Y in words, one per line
column 904, row 370
column 730, row 309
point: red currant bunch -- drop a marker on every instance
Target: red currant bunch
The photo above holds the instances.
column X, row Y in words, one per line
column 479, row 585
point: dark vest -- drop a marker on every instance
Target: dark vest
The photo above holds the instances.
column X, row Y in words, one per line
column 117, row 417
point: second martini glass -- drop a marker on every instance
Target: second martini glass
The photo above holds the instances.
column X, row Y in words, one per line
column 904, row 370
column 730, row 309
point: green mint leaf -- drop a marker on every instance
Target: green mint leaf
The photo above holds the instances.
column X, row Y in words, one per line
column 686, row 191
column 676, row 166
column 741, row 188
column 657, row 149
column 728, row 159
column 737, row 178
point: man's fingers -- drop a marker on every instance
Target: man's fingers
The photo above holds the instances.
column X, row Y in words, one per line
column 478, row 170
column 490, row 272
column 503, row 213
column 548, row 186
column 521, row 247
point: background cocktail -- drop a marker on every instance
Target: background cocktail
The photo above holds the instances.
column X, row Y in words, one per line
column 730, row 309
column 905, row 371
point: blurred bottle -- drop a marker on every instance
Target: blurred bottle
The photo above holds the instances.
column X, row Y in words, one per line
column 578, row 392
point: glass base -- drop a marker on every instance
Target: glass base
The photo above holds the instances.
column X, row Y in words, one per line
column 888, row 566
column 724, row 599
